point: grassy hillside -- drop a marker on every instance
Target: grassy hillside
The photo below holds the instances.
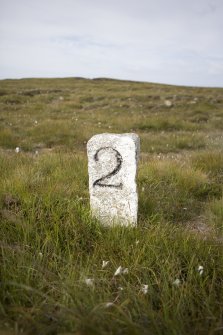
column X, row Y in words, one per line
column 52, row 278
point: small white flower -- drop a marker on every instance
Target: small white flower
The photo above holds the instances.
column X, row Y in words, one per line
column 120, row 288
column 36, row 152
column 176, row 282
column 118, row 271
column 200, row 269
column 104, row 264
column 40, row 255
column 144, row 289
column 35, row 121
column 89, row 282
column 17, row 150
column 109, row 304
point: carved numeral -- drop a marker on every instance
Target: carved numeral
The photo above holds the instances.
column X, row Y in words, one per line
column 113, row 172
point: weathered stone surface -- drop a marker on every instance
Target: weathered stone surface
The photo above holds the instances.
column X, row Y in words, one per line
column 112, row 167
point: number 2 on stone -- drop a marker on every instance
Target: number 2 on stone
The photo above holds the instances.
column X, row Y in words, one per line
column 113, row 172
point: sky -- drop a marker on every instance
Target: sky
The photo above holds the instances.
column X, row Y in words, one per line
column 162, row 41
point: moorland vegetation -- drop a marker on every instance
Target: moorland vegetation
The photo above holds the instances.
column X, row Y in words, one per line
column 58, row 266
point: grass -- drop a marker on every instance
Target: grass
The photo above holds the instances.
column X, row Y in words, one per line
column 52, row 250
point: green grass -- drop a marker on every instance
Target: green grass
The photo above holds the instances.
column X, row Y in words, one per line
column 50, row 244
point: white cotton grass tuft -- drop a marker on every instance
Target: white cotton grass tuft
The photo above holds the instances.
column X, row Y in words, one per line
column 168, row 103
column 144, row 288
column 176, row 282
column 109, row 304
column 89, row 282
column 104, row 264
column 17, row 150
column 120, row 270
column 200, row 269
column 125, row 271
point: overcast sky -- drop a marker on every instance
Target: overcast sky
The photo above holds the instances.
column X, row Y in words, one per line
column 164, row 41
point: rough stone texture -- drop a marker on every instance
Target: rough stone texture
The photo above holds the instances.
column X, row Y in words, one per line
column 112, row 166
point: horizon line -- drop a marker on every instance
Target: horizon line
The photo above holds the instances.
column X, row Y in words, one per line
column 111, row 78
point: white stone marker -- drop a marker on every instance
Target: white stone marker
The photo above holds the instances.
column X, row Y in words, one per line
column 112, row 166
